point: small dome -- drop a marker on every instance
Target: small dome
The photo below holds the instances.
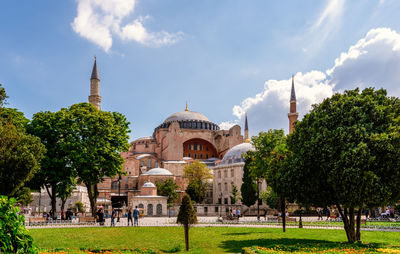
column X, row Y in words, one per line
column 158, row 172
column 186, row 116
column 149, row 185
column 234, row 155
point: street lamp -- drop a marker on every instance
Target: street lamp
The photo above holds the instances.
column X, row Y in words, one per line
column 259, row 182
column 119, row 196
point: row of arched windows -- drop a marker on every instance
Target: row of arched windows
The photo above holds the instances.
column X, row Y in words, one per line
column 150, row 210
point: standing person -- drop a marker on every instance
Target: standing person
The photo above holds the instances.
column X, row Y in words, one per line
column 113, row 218
column 101, row 217
column 130, row 216
column 328, row 213
column 319, row 213
column 136, row 216
column 366, row 214
column 238, row 213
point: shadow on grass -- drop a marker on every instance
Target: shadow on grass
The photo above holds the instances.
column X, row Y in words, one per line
column 289, row 244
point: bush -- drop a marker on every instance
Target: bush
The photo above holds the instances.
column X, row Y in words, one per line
column 14, row 237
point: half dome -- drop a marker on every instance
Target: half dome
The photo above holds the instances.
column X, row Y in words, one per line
column 158, row 172
column 234, row 155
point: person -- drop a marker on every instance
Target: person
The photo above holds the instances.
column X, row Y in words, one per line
column 319, row 209
column 238, row 213
column 130, row 217
column 366, row 213
column 113, row 218
column 328, row 213
column 101, row 217
column 136, row 217
column 233, row 213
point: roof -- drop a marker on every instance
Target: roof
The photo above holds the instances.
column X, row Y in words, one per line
column 158, row 172
column 186, row 116
column 144, row 156
column 95, row 73
column 234, row 155
column 149, row 185
column 292, row 93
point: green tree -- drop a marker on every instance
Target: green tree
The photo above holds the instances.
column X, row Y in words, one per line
column 346, row 152
column 3, row 96
column 249, row 187
column 24, row 196
column 94, row 143
column 56, row 174
column 186, row 217
column 234, row 194
column 168, row 189
column 270, row 159
column 79, row 207
column 198, row 175
column 14, row 237
column 270, row 198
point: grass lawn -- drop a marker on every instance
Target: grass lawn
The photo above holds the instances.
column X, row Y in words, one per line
column 202, row 239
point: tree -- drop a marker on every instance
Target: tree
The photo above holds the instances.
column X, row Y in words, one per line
column 168, row 189
column 186, row 217
column 249, row 187
column 94, row 143
column 56, row 174
column 235, row 195
column 198, row 175
column 14, row 237
column 79, row 207
column 270, row 198
column 270, row 159
column 346, row 153
column 3, row 96
column 24, row 196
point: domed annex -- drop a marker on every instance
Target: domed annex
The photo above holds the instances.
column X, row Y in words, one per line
column 148, row 185
column 234, row 155
column 158, row 172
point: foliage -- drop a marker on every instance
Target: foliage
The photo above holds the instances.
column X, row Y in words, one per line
column 168, row 189
column 198, row 175
column 79, row 207
column 346, row 152
column 249, row 187
column 24, row 196
column 270, row 198
column 14, row 238
column 3, row 96
column 186, row 217
column 235, row 194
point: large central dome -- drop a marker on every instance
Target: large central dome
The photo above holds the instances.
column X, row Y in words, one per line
column 186, row 116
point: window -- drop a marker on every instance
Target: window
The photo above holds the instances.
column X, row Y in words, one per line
column 201, row 156
column 226, row 186
column 149, row 163
column 226, row 173
column 216, row 208
column 189, row 155
column 195, row 146
column 206, row 148
column 205, row 209
column 141, row 163
column 183, row 147
column 156, row 164
column 201, row 147
column 219, row 186
column 232, row 173
column 114, row 185
column 219, row 174
column 195, row 156
column 225, row 201
column 126, row 186
column 207, row 156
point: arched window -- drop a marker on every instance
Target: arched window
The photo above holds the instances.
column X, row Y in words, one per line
column 141, row 206
column 114, row 185
column 150, row 209
column 159, row 210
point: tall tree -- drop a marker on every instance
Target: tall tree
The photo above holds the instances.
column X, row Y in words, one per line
column 234, row 195
column 270, row 159
column 346, row 152
column 56, row 174
column 198, row 175
column 186, row 217
column 95, row 141
column 249, row 187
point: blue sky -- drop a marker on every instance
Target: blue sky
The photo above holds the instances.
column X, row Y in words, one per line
column 223, row 57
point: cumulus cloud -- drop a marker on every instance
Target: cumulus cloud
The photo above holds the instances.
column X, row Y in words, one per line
column 99, row 21
column 372, row 61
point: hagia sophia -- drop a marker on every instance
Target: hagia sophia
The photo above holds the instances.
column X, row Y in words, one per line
column 177, row 141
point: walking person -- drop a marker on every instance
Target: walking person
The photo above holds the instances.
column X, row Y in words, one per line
column 130, row 217
column 136, row 217
column 113, row 218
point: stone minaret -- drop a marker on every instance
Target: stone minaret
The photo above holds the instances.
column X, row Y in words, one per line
column 293, row 115
column 246, row 130
column 94, row 97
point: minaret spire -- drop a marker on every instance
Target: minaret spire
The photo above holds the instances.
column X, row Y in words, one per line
column 94, row 97
column 293, row 115
column 246, row 130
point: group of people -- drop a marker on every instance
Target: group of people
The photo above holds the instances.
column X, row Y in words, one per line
column 133, row 217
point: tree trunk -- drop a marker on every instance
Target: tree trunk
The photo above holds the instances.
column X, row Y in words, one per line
column 187, row 237
column 348, row 221
column 62, row 206
column 283, row 209
column 53, row 198
column 91, row 199
column 358, row 228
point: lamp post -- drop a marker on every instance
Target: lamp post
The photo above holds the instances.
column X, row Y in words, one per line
column 300, row 221
column 119, row 196
column 259, row 182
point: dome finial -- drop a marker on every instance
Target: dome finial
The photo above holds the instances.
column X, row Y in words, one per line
column 186, row 109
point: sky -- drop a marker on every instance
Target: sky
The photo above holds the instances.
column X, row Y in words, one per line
column 223, row 57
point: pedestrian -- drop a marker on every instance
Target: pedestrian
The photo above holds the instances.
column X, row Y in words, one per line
column 366, row 213
column 238, row 213
column 130, row 216
column 328, row 213
column 136, row 217
column 113, row 218
column 319, row 209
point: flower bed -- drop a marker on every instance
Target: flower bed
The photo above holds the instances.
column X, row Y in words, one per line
column 317, row 249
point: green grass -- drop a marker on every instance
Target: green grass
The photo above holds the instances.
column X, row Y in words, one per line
column 202, row 239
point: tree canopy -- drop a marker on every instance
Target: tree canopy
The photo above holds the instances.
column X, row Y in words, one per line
column 198, row 175
column 168, row 189
column 346, row 152
column 249, row 187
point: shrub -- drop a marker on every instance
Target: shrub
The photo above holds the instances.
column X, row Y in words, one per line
column 14, row 237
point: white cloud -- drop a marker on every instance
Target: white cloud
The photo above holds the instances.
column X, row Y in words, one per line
column 100, row 20
column 372, row 61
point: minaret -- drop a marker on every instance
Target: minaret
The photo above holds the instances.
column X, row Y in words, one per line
column 246, row 130
column 95, row 98
column 293, row 115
